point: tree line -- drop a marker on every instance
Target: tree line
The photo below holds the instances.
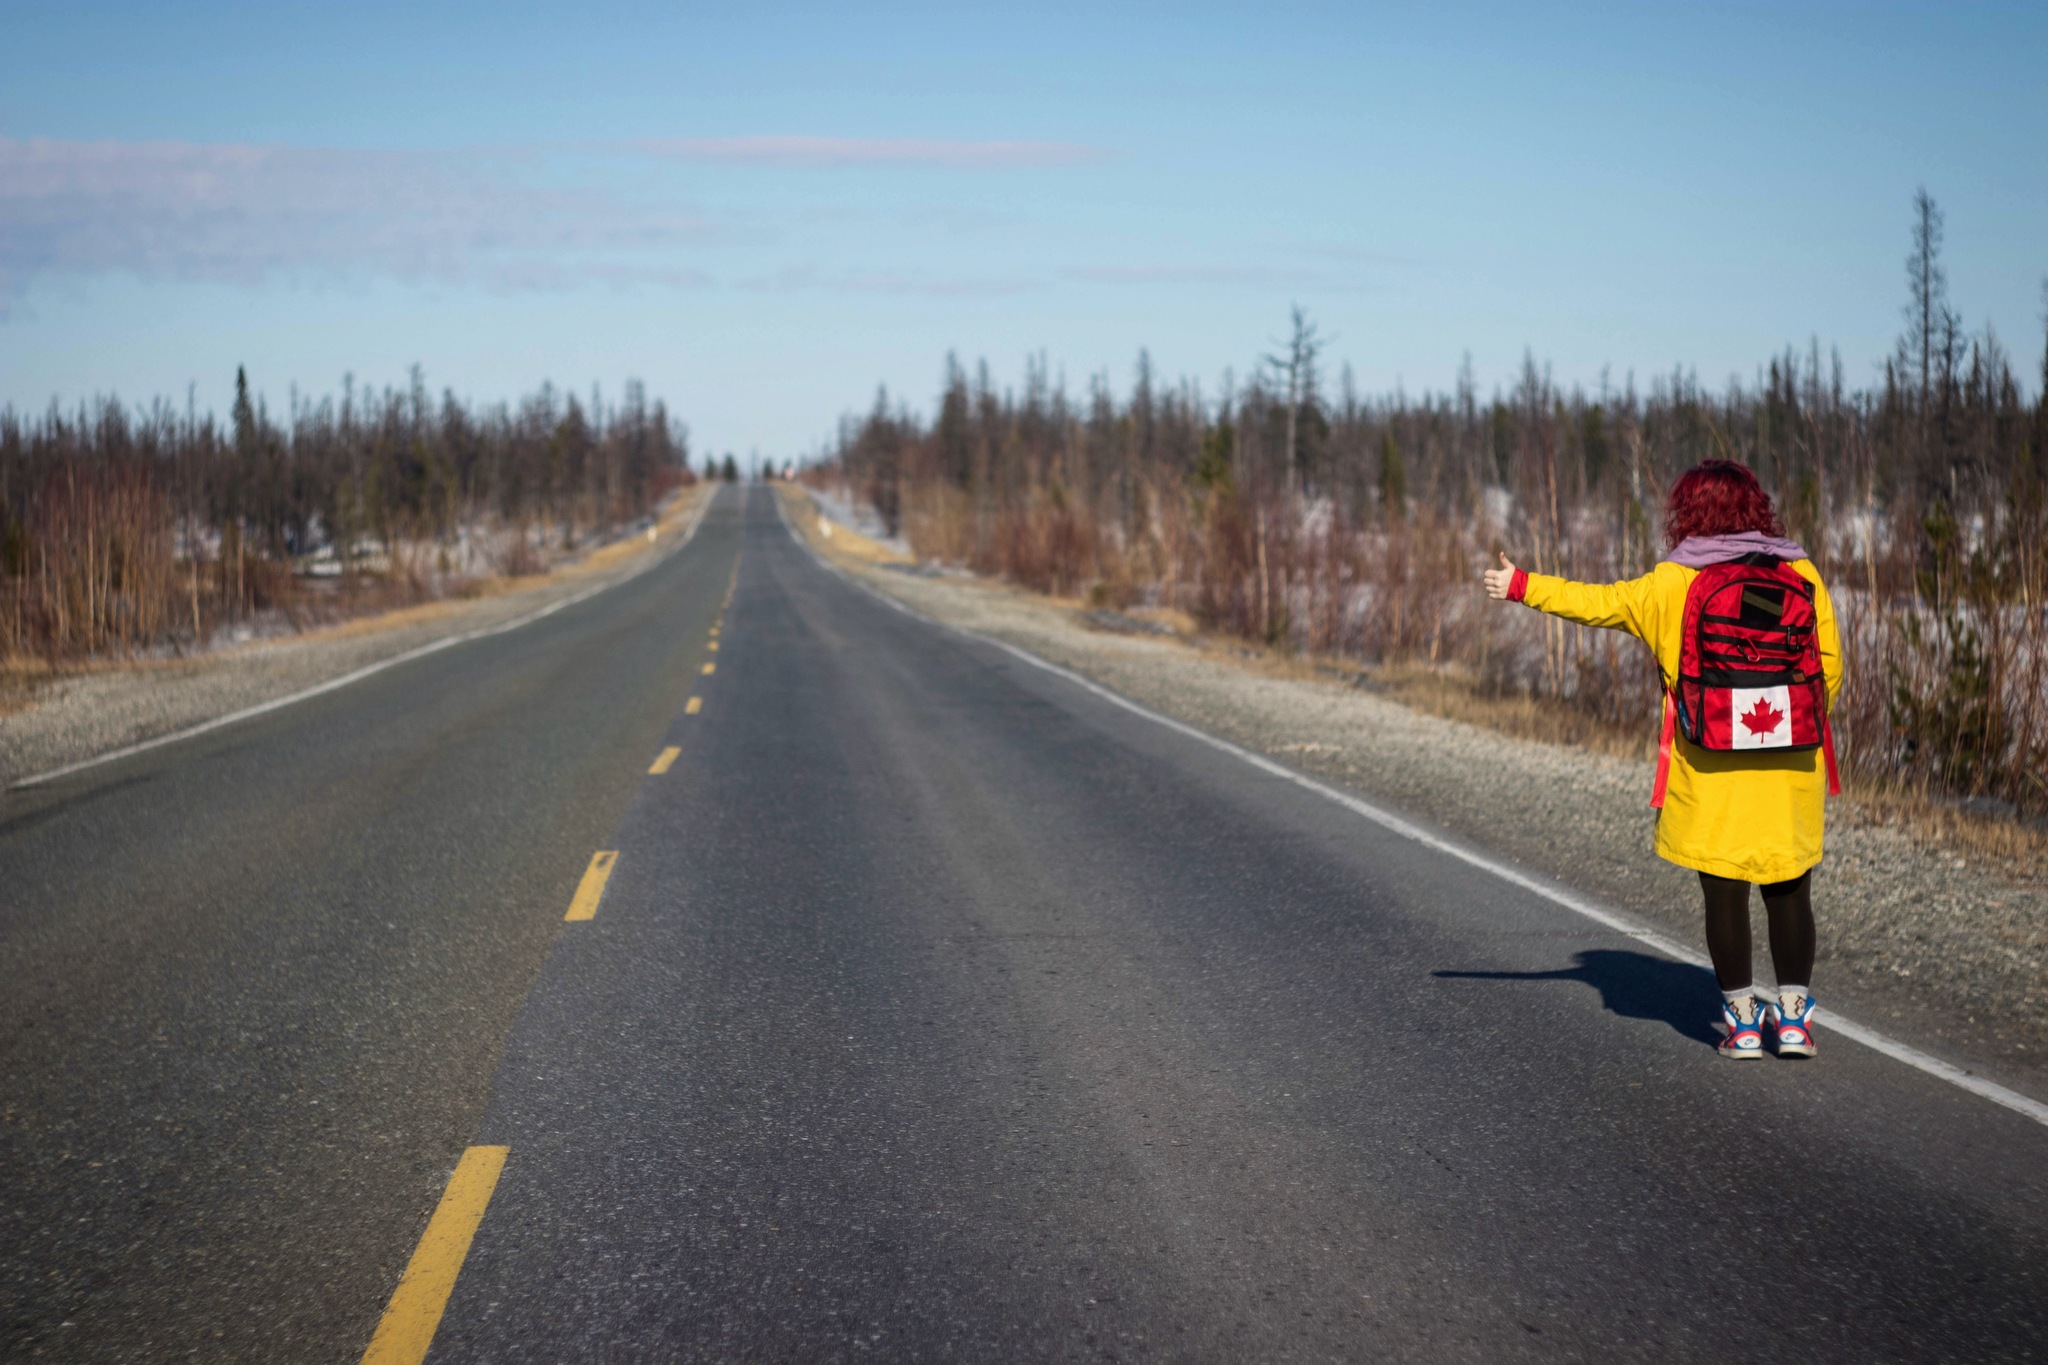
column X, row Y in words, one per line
column 1296, row 511
column 134, row 529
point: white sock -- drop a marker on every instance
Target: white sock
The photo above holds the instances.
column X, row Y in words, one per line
column 1786, row 992
column 1744, row 1003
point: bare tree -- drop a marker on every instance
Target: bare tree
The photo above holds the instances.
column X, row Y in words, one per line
column 1297, row 366
column 1928, row 315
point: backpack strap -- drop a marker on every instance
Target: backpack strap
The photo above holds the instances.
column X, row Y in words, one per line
column 1664, row 753
column 1827, row 749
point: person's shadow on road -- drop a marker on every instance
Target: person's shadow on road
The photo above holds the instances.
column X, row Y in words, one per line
column 1637, row 986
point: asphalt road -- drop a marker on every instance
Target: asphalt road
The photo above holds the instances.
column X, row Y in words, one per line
column 935, row 1009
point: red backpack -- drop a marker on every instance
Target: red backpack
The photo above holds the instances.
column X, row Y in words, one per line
column 1749, row 669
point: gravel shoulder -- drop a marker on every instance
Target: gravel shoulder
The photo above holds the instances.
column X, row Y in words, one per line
column 1946, row 951
column 82, row 716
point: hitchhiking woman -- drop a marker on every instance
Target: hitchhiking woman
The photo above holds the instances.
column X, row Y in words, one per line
column 1745, row 639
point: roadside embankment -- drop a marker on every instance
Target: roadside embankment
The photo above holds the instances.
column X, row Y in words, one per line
column 77, row 717
column 1931, row 940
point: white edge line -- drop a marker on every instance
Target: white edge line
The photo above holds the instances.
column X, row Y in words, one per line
column 357, row 675
column 1868, row 1037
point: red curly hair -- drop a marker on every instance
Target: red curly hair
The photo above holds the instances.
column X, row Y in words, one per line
column 1718, row 498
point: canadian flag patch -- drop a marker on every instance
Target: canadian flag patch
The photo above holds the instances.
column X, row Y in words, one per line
column 1761, row 717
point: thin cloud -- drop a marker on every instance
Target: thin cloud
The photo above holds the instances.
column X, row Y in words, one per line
column 801, row 279
column 530, row 276
column 1194, row 274
column 830, row 152
column 246, row 213
column 499, row 218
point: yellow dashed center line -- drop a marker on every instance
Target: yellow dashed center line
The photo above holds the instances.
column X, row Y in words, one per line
column 693, row 706
column 661, row 764
column 407, row 1327
column 710, row 668
column 592, row 886
column 713, row 646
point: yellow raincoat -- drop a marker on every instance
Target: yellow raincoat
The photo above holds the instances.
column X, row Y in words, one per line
column 1756, row 816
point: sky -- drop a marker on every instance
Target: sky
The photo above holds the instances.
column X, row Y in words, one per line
column 766, row 211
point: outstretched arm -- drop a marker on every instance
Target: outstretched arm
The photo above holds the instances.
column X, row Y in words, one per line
column 1631, row 606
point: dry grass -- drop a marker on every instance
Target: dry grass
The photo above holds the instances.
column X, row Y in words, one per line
column 835, row 540
column 670, row 521
column 2021, row 849
column 1175, row 620
column 22, row 677
column 1455, row 694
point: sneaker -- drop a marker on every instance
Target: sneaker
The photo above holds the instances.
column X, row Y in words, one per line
column 1792, row 1017
column 1745, row 1022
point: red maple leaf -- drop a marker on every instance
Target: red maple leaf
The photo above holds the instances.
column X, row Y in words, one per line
column 1762, row 718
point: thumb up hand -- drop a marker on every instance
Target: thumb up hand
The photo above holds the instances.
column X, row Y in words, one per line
column 1498, row 580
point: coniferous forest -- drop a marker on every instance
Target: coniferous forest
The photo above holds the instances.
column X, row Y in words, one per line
column 1292, row 510
column 141, row 530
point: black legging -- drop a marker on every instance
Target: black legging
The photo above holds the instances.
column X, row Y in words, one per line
column 1790, row 907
